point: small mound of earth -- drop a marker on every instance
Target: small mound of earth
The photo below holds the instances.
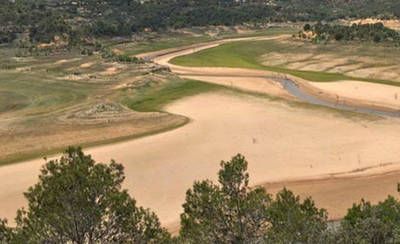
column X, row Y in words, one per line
column 87, row 65
column 141, row 82
column 101, row 109
column 99, row 113
column 63, row 61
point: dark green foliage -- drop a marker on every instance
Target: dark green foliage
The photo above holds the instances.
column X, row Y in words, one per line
column 43, row 19
column 368, row 223
column 293, row 221
column 361, row 32
column 231, row 212
column 307, row 27
column 5, row 232
column 79, row 201
column 227, row 213
column 48, row 27
column 122, row 58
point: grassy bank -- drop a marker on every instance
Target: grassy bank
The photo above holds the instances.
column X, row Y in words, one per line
column 154, row 99
column 248, row 54
column 172, row 40
column 148, row 99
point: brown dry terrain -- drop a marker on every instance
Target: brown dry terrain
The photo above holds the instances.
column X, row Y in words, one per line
column 281, row 143
column 70, row 100
column 337, row 194
column 385, row 95
column 310, row 149
column 357, row 60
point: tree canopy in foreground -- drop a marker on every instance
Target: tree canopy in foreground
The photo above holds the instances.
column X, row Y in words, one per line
column 77, row 200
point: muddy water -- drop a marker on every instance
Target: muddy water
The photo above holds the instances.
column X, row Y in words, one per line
column 302, row 95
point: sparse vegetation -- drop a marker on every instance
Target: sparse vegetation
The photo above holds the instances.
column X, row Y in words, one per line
column 47, row 96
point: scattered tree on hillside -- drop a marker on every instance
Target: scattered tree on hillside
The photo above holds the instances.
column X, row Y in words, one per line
column 307, row 27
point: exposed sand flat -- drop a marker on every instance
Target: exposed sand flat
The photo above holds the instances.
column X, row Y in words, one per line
column 344, row 68
column 281, row 142
column 63, row 61
column 360, row 65
column 338, row 194
column 377, row 93
column 87, row 65
column 110, row 71
column 385, row 73
column 216, row 74
column 276, row 58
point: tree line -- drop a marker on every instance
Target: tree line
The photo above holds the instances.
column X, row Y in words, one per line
column 77, row 200
column 357, row 32
column 41, row 20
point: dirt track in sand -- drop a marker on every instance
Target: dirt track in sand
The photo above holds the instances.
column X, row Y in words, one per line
column 304, row 147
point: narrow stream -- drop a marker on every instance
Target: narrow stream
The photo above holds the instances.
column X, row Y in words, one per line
column 293, row 89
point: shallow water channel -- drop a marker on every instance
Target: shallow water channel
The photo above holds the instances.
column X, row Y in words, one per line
column 293, row 89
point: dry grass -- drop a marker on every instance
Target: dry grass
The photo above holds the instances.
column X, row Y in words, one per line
column 51, row 102
column 356, row 60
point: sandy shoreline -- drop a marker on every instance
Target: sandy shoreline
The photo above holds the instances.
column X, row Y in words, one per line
column 353, row 93
column 280, row 142
column 338, row 194
column 313, row 152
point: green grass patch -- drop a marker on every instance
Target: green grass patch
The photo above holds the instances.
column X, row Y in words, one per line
column 36, row 93
column 154, row 99
column 247, row 54
column 174, row 40
column 12, row 101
